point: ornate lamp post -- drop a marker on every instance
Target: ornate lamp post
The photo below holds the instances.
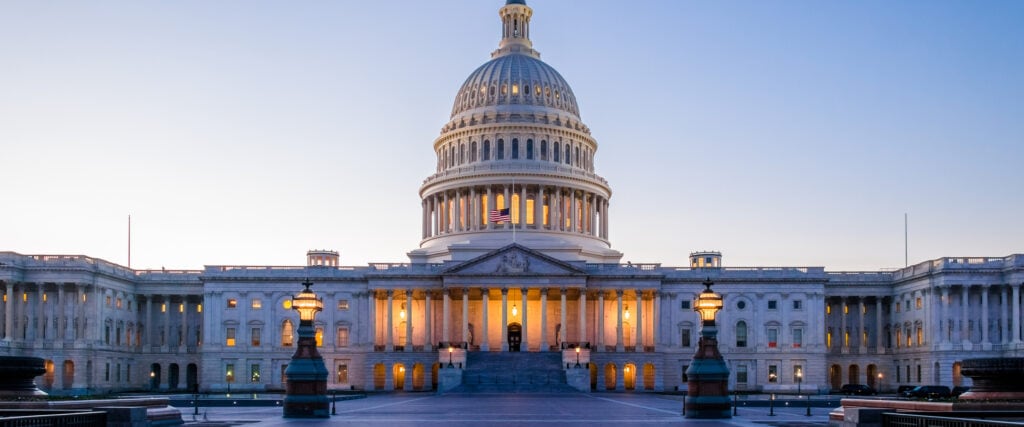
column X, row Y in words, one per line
column 306, row 392
column 577, row 356
column 708, row 386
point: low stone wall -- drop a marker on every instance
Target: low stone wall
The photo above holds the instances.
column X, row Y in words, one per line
column 155, row 410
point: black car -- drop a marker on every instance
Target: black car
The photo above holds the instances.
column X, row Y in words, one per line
column 929, row 392
column 904, row 388
column 958, row 390
column 857, row 390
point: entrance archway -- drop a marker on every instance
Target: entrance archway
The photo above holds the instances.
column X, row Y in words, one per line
column 593, row 376
column 192, row 377
column 649, row 376
column 49, row 376
column 835, row 376
column 154, row 376
column 609, row 376
column 68, row 379
column 172, row 376
column 629, row 376
column 872, row 375
column 417, row 376
column 398, row 374
column 515, row 336
column 378, row 376
column 853, row 376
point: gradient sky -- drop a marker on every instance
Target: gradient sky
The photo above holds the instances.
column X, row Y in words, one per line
column 782, row 133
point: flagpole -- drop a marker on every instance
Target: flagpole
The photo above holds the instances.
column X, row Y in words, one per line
column 129, row 241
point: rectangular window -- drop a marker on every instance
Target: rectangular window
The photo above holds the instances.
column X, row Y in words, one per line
column 255, row 334
column 798, row 338
column 181, row 308
column 343, row 337
column 907, row 303
column 319, row 336
column 232, row 303
column 343, row 304
column 686, row 337
column 828, row 308
column 199, row 308
column 798, row 373
column 685, row 378
column 897, row 307
column 908, row 373
column 119, row 302
column 798, row 304
column 108, row 300
column 773, row 373
column 342, row 374
column 918, row 373
column 773, row 304
column 106, row 372
column 685, row 305
column 254, row 373
column 741, row 374
column 899, row 378
column 919, row 303
column 230, row 340
column 229, row 372
column 846, row 308
column 256, row 304
column 773, row 337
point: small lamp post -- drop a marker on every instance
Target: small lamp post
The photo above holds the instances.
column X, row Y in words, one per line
column 306, row 392
column 879, row 382
column 708, row 385
column 799, row 380
column 577, row 357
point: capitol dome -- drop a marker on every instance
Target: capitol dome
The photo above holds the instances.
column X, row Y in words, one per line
column 515, row 163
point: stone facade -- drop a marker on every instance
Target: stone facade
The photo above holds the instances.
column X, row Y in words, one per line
column 515, row 141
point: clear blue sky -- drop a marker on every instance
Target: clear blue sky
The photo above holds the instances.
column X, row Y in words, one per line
column 782, row 133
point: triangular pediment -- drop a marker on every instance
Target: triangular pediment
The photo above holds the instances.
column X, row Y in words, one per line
column 513, row 260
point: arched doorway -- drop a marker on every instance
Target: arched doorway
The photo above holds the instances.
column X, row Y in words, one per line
column 433, row 375
column 593, row 376
column 154, row 376
column 853, row 376
column 398, row 376
column 172, row 376
column 49, row 376
column 515, row 336
column 629, row 376
column 872, row 374
column 936, row 374
column 649, row 376
column 417, row 376
column 957, row 378
column 68, row 378
column 835, row 376
column 609, row 376
column 378, row 376
column 192, row 377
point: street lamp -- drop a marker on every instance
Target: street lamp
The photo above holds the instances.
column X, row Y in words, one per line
column 577, row 357
column 306, row 390
column 879, row 382
column 450, row 357
column 799, row 380
column 708, row 376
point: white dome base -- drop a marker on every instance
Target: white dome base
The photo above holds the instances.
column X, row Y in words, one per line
column 559, row 245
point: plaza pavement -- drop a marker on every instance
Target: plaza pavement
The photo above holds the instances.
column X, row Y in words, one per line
column 478, row 409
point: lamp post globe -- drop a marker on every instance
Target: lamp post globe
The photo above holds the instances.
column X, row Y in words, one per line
column 708, row 376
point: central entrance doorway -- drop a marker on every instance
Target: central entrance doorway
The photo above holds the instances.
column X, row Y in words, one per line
column 515, row 336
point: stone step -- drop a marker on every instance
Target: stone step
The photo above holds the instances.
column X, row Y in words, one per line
column 507, row 372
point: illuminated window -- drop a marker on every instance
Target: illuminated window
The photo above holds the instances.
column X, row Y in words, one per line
column 846, row 308
column 199, row 308
column 118, row 304
column 44, row 298
column 229, row 372
column 773, row 373
column 257, row 303
column 918, row 303
column 287, row 333
column 343, row 304
column 319, row 336
column 798, row 372
column 232, row 303
column 899, row 335
column 515, row 208
column 163, row 308
column 343, row 374
column 828, row 338
column 529, row 211
column 287, row 304
column 255, row 336
column 515, row 89
column 828, row 308
column 342, row 337
column 846, row 338
column 108, row 300
column 84, row 298
column 181, row 308
column 254, row 373
column 230, row 334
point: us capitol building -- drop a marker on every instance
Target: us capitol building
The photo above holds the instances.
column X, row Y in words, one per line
column 546, row 280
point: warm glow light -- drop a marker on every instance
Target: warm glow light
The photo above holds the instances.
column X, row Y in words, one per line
column 401, row 313
column 515, row 312
column 307, row 304
column 450, row 350
column 708, row 303
column 626, row 314
column 152, row 374
column 577, row 349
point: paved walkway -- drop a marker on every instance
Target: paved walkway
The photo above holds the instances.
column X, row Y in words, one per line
column 415, row 409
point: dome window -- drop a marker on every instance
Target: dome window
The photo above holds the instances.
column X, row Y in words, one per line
column 500, row 153
column 526, row 90
column 543, row 149
column 487, row 150
column 515, row 148
column 547, row 91
column 558, row 95
column 515, row 89
column 504, row 89
column 483, row 90
column 556, row 153
column 529, row 149
column 538, row 90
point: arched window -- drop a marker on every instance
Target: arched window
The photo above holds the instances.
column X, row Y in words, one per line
column 515, row 148
column 287, row 333
column 543, row 150
column 444, row 158
column 487, row 150
column 451, row 155
column 472, row 151
column 556, row 153
column 500, row 154
column 741, row 334
column 529, row 149
column 462, row 153
column 568, row 154
column 578, row 155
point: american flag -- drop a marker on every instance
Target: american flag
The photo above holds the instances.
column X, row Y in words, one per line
column 499, row 215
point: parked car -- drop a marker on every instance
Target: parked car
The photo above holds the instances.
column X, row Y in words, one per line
column 857, row 390
column 928, row 391
column 958, row 390
column 903, row 389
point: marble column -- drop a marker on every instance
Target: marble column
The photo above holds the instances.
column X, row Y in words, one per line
column 490, row 207
column 1004, row 315
column 656, row 329
column 504, row 319
column 522, row 207
column 599, row 333
column 465, row 315
column 861, row 341
column 484, row 344
column 639, row 320
column 8, row 315
column 389, row 345
column 41, row 313
column 618, row 325
column 525, row 339
column 538, row 209
column 543, row 319
column 985, row 344
column 574, row 217
column 583, row 315
column 965, row 336
column 446, row 315
column 878, row 326
column 507, row 203
column 944, row 317
column 428, row 329
column 1015, row 304
column 407, row 345
column 59, row 316
column 565, row 326
column 371, row 313
column 184, row 320
column 167, row 321
column 843, row 313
